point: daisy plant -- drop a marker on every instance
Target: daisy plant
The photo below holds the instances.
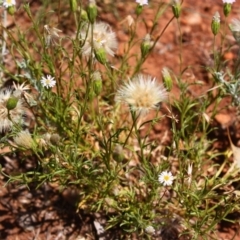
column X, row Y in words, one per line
column 139, row 148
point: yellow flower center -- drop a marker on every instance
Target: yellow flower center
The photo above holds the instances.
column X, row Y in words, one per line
column 166, row 178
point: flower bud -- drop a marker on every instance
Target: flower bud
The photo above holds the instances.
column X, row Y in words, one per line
column 146, row 45
column 92, row 11
column 84, row 15
column 101, row 55
column 11, row 10
column 176, row 8
column 97, row 82
column 118, row 154
column 91, row 95
column 227, row 7
column 167, row 79
column 12, row 103
column 55, row 139
column 215, row 23
column 139, row 9
column 73, row 5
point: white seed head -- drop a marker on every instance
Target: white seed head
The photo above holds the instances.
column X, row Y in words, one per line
column 24, row 139
column 103, row 38
column 142, row 94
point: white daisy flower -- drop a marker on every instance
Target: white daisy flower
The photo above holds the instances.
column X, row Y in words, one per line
column 103, row 37
column 10, row 117
column 48, row 81
column 142, row 94
column 142, row 2
column 9, row 3
column 229, row 1
column 166, row 178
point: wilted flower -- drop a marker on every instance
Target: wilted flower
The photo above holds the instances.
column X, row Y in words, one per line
column 48, row 81
column 189, row 173
column 24, row 139
column 146, row 45
column 142, row 2
column 167, row 79
column 142, row 93
column 9, row 3
column 21, row 90
column 235, row 28
column 235, row 25
column 103, row 39
column 166, row 178
column 51, row 35
column 9, row 117
column 130, row 20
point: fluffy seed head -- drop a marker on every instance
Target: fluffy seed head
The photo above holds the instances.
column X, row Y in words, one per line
column 103, row 38
column 24, row 139
column 142, row 94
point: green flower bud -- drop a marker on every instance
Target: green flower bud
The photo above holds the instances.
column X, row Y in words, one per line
column 215, row 23
column 101, row 55
column 146, row 45
column 176, row 8
column 167, row 79
column 118, row 153
column 11, row 10
column 139, row 9
column 92, row 11
column 73, row 5
column 84, row 15
column 227, row 7
column 12, row 103
column 91, row 95
column 97, row 82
